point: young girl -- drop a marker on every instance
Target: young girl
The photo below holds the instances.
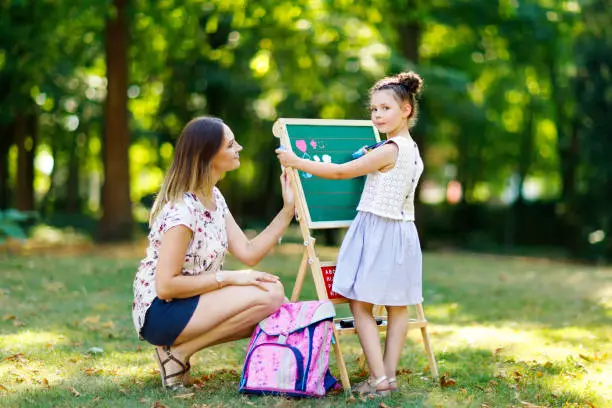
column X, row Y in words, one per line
column 379, row 262
column 183, row 300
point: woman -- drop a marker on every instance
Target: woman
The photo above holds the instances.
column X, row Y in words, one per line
column 183, row 300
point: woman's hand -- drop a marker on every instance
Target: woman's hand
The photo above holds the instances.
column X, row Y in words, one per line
column 250, row 277
column 288, row 196
column 287, row 158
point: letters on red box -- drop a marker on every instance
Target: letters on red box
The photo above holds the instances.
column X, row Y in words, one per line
column 328, row 278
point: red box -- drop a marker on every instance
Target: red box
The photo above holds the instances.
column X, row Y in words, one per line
column 328, row 278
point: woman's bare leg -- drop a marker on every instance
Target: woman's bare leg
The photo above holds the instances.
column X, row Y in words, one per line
column 227, row 314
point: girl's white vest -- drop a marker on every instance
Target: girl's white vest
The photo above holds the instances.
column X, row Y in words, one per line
column 391, row 194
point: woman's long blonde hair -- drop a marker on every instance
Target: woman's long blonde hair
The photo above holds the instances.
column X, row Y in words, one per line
column 200, row 140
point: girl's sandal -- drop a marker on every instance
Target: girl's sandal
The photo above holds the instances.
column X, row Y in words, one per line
column 178, row 383
column 392, row 384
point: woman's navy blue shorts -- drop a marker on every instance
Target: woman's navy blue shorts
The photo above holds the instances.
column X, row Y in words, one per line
column 165, row 321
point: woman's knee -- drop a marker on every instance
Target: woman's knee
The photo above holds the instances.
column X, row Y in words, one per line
column 273, row 297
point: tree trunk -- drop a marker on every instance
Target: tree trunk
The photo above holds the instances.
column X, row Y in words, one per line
column 116, row 222
column 26, row 128
column 526, row 150
column 6, row 140
column 567, row 147
column 409, row 37
column 515, row 221
column 72, row 184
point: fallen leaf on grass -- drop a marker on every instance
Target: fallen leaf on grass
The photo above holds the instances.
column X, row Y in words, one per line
column 404, row 371
column 3, row 388
column 426, row 369
column 74, row 392
column 45, row 382
column 590, row 405
column 92, row 319
column 158, row 404
column 184, row 396
column 92, row 371
column 599, row 356
column 383, row 405
column 530, row 405
column 53, row 286
column 446, row 381
column 587, row 358
column 109, row 325
column 9, row 317
column 16, row 357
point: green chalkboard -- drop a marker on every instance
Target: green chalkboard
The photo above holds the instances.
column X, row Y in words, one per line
column 327, row 203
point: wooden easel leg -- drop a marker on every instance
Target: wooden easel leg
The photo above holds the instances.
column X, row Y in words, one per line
column 299, row 280
column 344, row 377
column 426, row 343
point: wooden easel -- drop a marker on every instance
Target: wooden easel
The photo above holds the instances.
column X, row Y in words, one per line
column 317, row 268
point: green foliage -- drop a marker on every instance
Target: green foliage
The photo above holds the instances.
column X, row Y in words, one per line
column 509, row 85
column 12, row 223
column 594, row 98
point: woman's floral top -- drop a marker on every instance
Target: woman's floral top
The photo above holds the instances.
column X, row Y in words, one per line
column 205, row 253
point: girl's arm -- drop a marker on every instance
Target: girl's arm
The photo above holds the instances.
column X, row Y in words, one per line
column 380, row 158
column 251, row 251
column 170, row 284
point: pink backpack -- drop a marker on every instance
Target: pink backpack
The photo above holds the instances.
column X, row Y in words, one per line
column 289, row 352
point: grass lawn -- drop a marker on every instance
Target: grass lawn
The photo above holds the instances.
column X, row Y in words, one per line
column 508, row 332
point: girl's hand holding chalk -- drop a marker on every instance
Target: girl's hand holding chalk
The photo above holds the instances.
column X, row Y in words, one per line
column 287, row 158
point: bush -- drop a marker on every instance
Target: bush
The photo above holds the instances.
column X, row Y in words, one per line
column 13, row 223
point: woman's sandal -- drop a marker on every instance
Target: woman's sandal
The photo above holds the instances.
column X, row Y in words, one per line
column 370, row 387
column 179, row 375
column 187, row 378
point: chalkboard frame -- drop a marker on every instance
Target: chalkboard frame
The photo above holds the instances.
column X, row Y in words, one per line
column 279, row 130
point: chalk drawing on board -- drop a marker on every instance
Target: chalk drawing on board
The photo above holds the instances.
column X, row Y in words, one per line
column 301, row 145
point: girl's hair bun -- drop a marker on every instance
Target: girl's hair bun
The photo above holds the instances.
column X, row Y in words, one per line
column 411, row 81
